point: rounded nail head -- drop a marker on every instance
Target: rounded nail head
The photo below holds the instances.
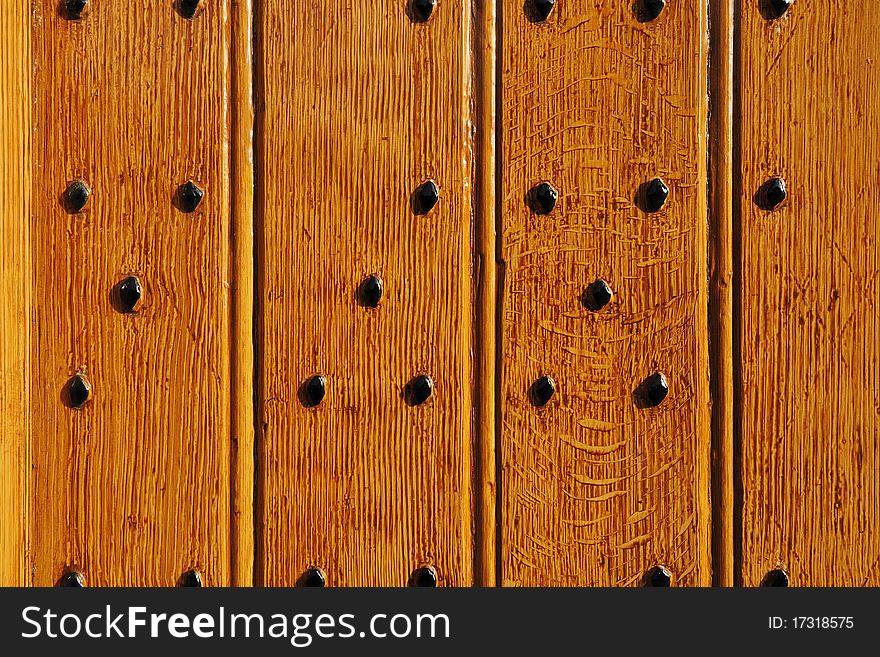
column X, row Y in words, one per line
column 773, row 193
column 75, row 10
column 775, row 578
column 597, row 295
column 76, row 196
column 313, row 391
column 774, row 9
column 424, row 577
column 79, row 390
column 130, row 293
column 425, row 197
column 539, row 10
column 656, row 194
column 658, row 576
column 543, row 197
column 420, row 10
column 542, row 391
column 72, row 579
column 419, row 390
column 649, row 10
column 190, row 579
column 189, row 9
column 369, row 292
column 313, row 578
column 190, row 196
column 655, row 389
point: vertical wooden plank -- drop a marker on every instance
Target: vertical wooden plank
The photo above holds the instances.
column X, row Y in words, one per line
column 361, row 106
column 721, row 150
column 808, row 294
column 134, row 488
column 15, row 290
column 597, row 490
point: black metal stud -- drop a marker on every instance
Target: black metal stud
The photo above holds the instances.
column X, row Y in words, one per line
column 653, row 390
column 538, row 11
column 189, row 9
column 418, row 390
column 775, row 578
column 424, row 577
column 369, row 292
column 75, row 10
column 73, row 579
column 771, row 194
column 597, row 295
column 189, row 196
column 313, row 578
column 542, row 391
column 648, row 10
column 773, row 9
column 419, row 11
column 653, row 195
column 190, row 579
column 128, row 294
column 76, row 196
column 658, row 576
column 542, row 198
column 312, row 392
column 425, row 197
column 78, row 390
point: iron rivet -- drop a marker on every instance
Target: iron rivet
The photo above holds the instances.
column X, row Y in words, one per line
column 190, row 579
column 653, row 390
column 773, row 9
column 597, row 295
column 369, row 292
column 128, row 294
column 189, row 9
column 78, row 390
column 424, row 577
column 189, row 196
column 774, row 578
column 311, row 393
column 542, row 391
column 313, row 578
column 76, row 196
column 538, row 11
column 653, row 195
column 425, row 197
column 418, row 390
column 542, row 198
column 420, row 11
column 771, row 194
column 649, row 10
column 658, row 576
column 75, row 10
column 73, row 578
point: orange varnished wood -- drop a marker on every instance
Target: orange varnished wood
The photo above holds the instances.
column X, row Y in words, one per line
column 135, row 487
column 361, row 106
column 595, row 490
column 808, row 292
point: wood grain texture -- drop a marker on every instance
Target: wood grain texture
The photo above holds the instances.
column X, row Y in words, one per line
column 361, row 106
column 808, row 294
column 135, row 487
column 595, row 490
column 15, row 289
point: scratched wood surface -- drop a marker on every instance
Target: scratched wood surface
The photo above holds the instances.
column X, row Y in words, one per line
column 134, row 488
column 808, row 293
column 596, row 490
column 361, row 106
column 15, row 289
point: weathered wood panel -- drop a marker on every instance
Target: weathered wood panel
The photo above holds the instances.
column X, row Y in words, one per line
column 808, row 290
column 15, row 289
column 361, row 105
column 133, row 488
column 597, row 490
